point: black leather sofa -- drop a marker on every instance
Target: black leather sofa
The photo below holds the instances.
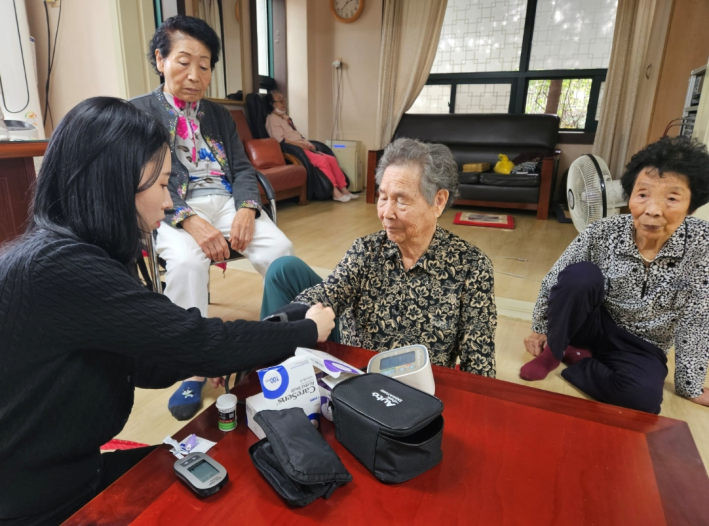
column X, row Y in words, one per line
column 476, row 138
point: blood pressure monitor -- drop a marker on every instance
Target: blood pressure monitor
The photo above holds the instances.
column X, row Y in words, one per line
column 204, row 475
column 410, row 365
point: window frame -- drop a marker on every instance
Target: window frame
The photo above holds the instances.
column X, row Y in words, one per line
column 520, row 79
column 262, row 81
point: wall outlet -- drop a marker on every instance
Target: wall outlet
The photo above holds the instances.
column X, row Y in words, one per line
column 337, row 64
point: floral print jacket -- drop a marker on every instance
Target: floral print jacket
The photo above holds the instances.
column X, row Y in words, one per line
column 219, row 132
column 446, row 301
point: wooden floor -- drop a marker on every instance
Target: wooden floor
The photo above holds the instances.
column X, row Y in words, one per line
column 323, row 231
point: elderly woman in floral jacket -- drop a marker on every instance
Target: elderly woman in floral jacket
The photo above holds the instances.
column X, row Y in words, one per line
column 412, row 282
column 213, row 186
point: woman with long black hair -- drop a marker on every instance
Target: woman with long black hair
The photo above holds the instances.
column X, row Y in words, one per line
column 78, row 331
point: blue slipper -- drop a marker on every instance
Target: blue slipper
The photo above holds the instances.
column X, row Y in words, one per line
column 186, row 401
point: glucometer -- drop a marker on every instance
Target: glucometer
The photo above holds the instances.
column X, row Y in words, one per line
column 410, row 365
column 202, row 474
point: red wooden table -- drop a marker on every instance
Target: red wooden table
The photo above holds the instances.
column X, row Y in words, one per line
column 512, row 455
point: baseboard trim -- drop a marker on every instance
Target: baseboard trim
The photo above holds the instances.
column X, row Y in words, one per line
column 521, row 310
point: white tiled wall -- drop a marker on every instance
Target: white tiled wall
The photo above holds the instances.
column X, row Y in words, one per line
column 482, row 98
column 481, row 35
column 432, row 99
column 573, row 34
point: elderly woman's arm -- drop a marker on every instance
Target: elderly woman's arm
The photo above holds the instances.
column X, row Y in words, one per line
column 692, row 350
column 342, row 287
column 478, row 319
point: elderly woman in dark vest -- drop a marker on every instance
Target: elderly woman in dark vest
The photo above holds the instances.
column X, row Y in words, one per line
column 213, row 186
column 631, row 286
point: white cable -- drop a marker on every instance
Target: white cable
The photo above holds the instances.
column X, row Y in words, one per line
column 337, row 101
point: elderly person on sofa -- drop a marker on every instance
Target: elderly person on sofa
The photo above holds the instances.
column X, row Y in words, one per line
column 412, row 282
column 631, row 286
column 213, row 186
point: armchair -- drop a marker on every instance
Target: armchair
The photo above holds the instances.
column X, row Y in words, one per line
column 287, row 180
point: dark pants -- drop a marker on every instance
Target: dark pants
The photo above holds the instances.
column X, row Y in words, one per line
column 287, row 277
column 625, row 370
column 114, row 465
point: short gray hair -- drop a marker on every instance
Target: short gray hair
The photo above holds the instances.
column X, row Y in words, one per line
column 435, row 163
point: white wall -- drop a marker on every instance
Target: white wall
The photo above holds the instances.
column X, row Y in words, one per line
column 232, row 47
column 315, row 39
column 86, row 61
column 299, row 94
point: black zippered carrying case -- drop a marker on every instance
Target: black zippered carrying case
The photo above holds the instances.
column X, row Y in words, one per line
column 392, row 428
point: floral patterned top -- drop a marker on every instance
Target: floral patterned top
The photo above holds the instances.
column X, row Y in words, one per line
column 217, row 129
column 445, row 301
column 664, row 303
column 206, row 176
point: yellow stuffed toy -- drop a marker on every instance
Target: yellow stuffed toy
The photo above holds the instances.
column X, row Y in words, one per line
column 504, row 165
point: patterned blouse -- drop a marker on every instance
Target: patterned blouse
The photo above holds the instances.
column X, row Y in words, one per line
column 664, row 303
column 445, row 301
column 206, row 174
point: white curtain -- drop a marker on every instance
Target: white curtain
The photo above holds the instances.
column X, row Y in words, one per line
column 410, row 33
column 209, row 12
column 630, row 40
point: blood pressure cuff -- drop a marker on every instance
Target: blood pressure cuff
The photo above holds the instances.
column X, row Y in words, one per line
column 291, row 312
column 394, row 429
column 295, row 459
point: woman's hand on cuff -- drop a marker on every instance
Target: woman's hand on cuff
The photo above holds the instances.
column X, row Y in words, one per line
column 324, row 318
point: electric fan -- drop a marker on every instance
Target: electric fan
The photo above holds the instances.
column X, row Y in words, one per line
column 591, row 191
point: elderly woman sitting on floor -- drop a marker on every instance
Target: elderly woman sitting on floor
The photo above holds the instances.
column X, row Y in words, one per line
column 631, row 286
column 412, row 282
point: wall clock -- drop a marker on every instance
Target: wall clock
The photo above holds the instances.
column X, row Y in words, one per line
column 346, row 11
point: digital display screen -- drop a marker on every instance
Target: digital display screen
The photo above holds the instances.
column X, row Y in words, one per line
column 396, row 361
column 203, row 471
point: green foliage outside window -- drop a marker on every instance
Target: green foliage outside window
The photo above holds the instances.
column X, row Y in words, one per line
column 568, row 98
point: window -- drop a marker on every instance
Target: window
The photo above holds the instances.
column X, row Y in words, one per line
column 432, row 99
column 522, row 56
column 264, row 44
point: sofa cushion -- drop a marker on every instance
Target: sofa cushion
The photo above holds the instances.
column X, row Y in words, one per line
column 486, row 130
column 466, row 153
column 528, row 167
column 264, row 153
column 468, row 177
column 518, row 180
column 499, row 194
column 535, row 156
column 285, row 177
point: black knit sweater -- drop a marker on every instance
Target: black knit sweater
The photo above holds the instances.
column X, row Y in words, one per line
column 78, row 333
